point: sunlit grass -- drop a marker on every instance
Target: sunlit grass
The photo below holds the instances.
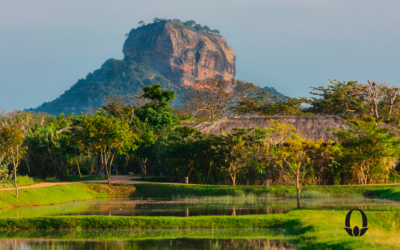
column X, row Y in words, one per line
column 22, row 180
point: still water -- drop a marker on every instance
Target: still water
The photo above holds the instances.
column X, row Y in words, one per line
column 147, row 239
column 187, row 207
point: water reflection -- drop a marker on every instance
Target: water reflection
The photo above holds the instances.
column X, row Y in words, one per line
column 146, row 239
column 181, row 244
column 185, row 208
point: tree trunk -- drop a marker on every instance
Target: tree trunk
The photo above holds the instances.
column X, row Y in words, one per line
column 79, row 170
column 298, row 188
column 108, row 176
column 99, row 168
column 15, row 182
column 141, row 166
column 104, row 162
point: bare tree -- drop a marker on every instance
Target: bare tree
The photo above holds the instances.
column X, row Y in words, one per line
column 377, row 95
column 214, row 97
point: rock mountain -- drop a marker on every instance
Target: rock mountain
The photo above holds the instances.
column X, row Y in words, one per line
column 169, row 52
column 181, row 55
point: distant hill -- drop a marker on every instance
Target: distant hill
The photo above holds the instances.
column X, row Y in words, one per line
column 274, row 92
column 114, row 78
column 169, row 52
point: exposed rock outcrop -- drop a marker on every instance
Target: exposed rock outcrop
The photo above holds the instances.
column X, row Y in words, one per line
column 180, row 54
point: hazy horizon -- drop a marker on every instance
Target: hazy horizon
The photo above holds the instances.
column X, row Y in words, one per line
column 46, row 46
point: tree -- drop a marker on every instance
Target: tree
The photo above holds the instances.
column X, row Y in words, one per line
column 155, row 121
column 4, row 173
column 206, row 29
column 215, row 97
column 190, row 23
column 198, row 27
column 11, row 139
column 182, row 148
column 157, row 113
column 369, row 150
column 105, row 136
column 216, row 32
column 47, row 146
column 292, row 154
column 352, row 100
column 25, row 122
column 264, row 104
column 119, row 108
column 232, row 150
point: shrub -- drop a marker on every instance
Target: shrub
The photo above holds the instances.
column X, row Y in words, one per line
column 84, row 171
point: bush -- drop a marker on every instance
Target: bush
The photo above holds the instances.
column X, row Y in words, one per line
column 84, row 171
column 394, row 177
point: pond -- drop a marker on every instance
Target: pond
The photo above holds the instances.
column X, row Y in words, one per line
column 193, row 207
column 147, row 239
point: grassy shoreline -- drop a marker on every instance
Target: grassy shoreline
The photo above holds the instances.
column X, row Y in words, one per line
column 86, row 191
column 143, row 222
column 308, row 228
column 152, row 190
column 62, row 194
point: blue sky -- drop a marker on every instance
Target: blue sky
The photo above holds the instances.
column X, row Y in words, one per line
column 47, row 45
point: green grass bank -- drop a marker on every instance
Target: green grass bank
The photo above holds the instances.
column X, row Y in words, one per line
column 180, row 190
column 62, row 193
column 143, row 222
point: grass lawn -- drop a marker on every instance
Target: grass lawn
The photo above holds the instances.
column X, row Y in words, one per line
column 310, row 229
column 62, row 194
column 23, row 180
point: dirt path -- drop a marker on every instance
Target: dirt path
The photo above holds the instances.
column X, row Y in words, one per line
column 39, row 185
column 115, row 179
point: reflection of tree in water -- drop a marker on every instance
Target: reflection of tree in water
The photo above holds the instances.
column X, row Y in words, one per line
column 179, row 244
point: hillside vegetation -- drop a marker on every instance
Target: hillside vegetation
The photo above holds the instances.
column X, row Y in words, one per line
column 114, row 78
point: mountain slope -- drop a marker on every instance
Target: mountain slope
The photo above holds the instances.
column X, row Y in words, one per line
column 114, row 78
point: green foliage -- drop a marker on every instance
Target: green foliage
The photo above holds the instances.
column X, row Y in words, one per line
column 84, row 171
column 104, row 136
column 11, row 139
column 263, row 103
column 353, row 100
column 157, row 113
column 48, row 151
column 368, row 152
column 338, row 98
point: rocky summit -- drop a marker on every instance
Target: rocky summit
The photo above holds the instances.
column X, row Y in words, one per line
column 170, row 52
column 181, row 54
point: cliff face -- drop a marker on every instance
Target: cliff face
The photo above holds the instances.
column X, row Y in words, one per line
column 179, row 54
